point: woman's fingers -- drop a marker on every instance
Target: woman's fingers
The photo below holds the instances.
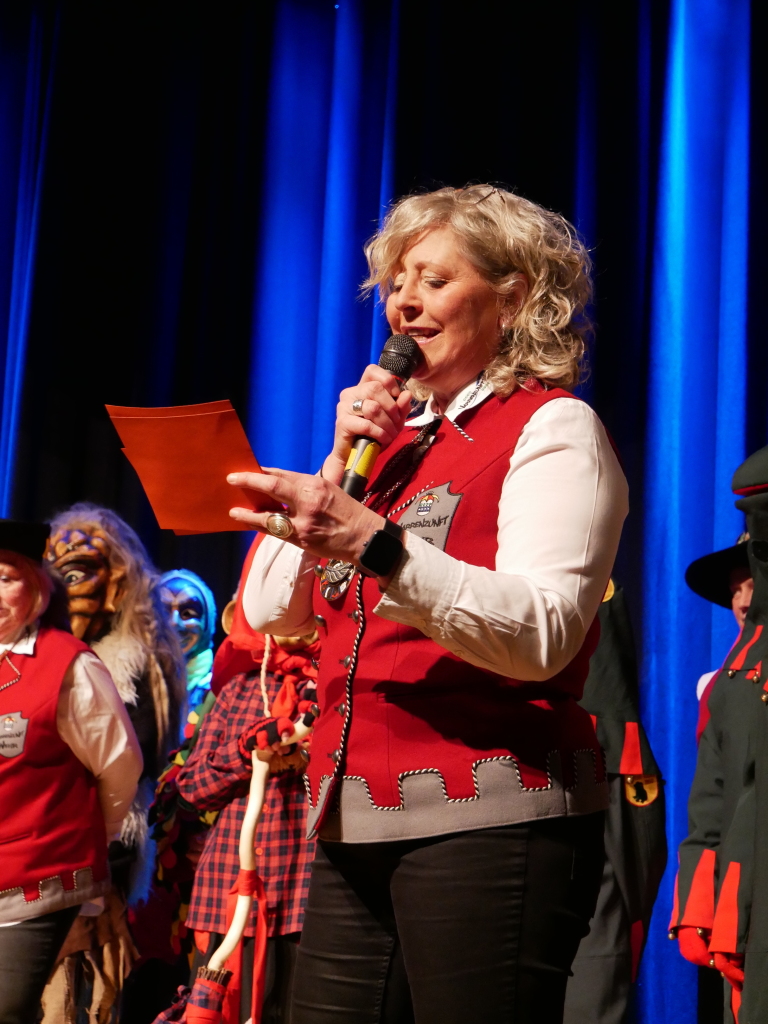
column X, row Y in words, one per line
column 383, row 377
column 371, row 410
column 256, row 520
column 374, row 408
column 325, row 521
column 279, row 484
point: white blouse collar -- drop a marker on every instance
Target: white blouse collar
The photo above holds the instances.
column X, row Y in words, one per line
column 471, row 394
column 26, row 645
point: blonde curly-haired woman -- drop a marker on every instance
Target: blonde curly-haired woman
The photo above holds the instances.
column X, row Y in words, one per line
column 456, row 787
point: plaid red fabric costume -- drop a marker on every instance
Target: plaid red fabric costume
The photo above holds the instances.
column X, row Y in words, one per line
column 216, row 778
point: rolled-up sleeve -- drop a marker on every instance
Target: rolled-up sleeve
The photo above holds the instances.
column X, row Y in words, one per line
column 93, row 722
column 562, row 507
column 278, row 592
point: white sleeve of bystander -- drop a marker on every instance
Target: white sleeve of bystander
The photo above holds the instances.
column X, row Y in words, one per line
column 93, row 722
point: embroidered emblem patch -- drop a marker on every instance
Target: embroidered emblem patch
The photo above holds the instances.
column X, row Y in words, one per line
column 431, row 513
column 425, row 504
column 641, row 790
column 13, row 733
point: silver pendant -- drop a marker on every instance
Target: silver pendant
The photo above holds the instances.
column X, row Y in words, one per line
column 336, row 578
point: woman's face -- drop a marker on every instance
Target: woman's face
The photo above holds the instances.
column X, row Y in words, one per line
column 16, row 597
column 441, row 301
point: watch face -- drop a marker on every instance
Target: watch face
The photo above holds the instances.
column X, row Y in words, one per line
column 381, row 553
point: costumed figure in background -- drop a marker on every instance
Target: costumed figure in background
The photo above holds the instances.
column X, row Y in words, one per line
column 260, row 680
column 749, row 881
column 178, row 829
column 635, row 838
column 69, row 766
column 725, row 578
column 710, row 918
column 115, row 607
column 191, row 608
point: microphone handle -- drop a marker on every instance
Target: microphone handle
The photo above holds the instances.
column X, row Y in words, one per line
column 362, row 457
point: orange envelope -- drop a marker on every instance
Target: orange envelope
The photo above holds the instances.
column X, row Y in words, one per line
column 182, row 455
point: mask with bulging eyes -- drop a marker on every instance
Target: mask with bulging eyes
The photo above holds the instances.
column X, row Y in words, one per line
column 82, row 557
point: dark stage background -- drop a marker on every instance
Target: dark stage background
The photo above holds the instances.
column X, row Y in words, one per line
column 184, row 194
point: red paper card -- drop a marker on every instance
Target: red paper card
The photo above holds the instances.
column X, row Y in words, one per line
column 182, row 455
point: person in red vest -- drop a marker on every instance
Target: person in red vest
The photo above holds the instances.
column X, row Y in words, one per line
column 456, row 787
column 69, row 766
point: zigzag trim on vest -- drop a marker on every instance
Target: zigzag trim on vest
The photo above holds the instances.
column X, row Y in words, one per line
column 466, row 799
column 56, row 881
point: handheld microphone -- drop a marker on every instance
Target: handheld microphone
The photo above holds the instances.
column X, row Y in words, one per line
column 400, row 357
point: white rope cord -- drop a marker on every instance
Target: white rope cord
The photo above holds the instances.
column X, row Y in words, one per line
column 263, row 674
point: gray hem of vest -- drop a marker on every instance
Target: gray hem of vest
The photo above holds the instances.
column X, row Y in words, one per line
column 425, row 808
column 52, row 896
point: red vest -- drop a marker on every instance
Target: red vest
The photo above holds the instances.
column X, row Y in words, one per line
column 413, row 708
column 53, row 849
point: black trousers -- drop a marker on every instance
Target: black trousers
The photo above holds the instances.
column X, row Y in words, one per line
column 28, row 951
column 483, row 924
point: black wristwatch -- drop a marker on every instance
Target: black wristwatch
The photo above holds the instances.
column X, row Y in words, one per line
column 382, row 551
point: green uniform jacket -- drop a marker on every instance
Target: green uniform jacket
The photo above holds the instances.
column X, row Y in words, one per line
column 720, row 883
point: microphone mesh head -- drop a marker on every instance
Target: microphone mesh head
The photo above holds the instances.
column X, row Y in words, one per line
column 400, row 356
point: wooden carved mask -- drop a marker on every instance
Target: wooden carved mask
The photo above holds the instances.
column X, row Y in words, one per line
column 95, row 587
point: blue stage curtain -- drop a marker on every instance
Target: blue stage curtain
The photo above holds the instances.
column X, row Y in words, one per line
column 25, row 93
column 696, row 411
column 328, row 173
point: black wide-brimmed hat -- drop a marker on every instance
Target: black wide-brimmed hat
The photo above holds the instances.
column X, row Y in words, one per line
column 24, row 538
column 710, row 576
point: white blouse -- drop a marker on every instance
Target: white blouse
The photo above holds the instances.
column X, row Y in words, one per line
column 562, row 507
column 92, row 721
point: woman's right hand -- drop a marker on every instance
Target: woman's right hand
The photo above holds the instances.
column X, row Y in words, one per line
column 382, row 416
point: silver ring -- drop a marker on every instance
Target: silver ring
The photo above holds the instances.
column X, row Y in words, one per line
column 279, row 526
column 357, row 406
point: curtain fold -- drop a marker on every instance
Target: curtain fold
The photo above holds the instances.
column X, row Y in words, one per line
column 327, row 172
column 26, row 82
column 695, row 434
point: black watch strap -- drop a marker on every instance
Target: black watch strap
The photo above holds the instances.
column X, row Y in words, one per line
column 393, row 529
column 383, row 550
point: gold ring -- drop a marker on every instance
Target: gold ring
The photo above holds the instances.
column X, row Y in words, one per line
column 279, row 526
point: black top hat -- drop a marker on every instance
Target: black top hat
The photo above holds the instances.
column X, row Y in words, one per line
column 710, row 576
column 24, row 538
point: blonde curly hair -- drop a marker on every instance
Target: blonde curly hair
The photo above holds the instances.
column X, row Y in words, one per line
column 504, row 235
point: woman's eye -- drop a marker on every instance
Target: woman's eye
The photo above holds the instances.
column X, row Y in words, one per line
column 435, row 282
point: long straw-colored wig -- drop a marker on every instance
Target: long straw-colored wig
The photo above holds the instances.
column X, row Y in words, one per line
column 140, row 617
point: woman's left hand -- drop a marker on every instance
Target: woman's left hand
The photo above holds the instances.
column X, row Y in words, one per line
column 326, row 521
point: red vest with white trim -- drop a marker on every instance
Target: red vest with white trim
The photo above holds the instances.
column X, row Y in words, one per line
column 413, row 739
column 53, row 851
